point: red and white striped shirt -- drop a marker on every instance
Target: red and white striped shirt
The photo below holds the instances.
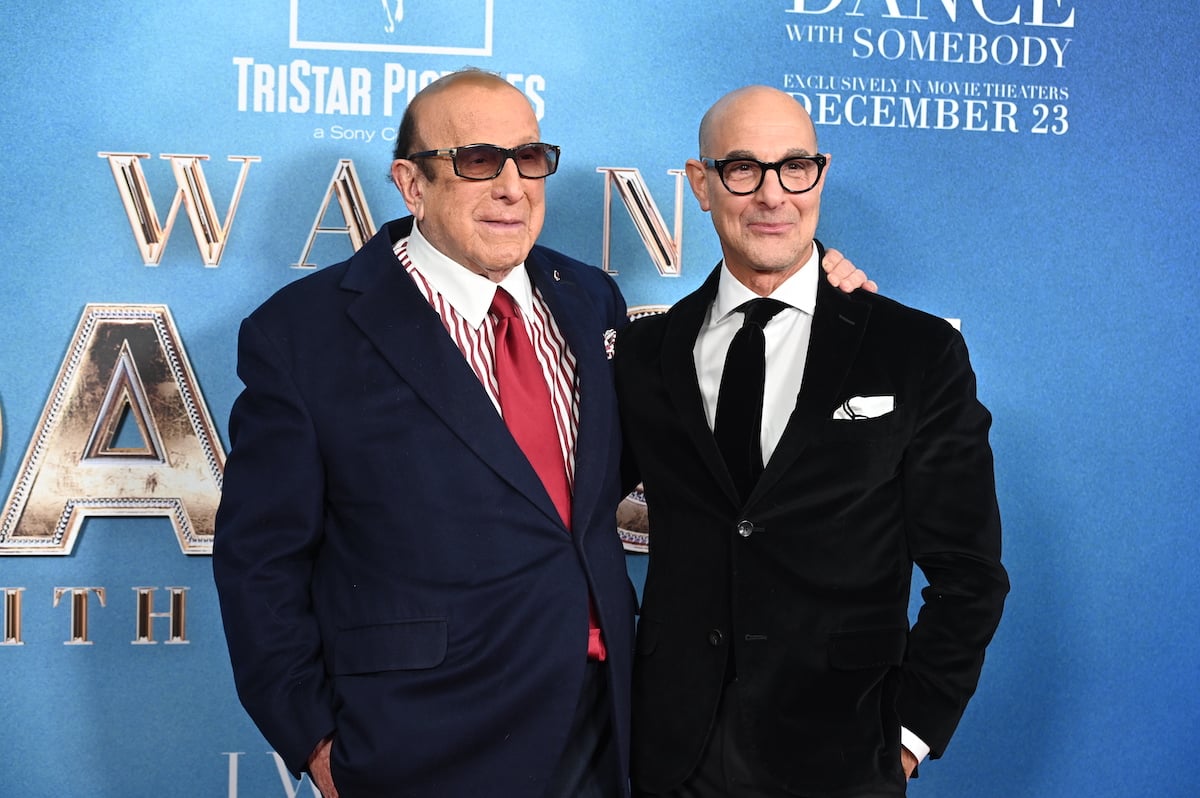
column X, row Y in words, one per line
column 462, row 298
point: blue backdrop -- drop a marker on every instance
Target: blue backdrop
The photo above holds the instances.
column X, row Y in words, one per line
column 1025, row 166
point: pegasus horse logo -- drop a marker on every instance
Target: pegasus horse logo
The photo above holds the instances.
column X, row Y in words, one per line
column 393, row 16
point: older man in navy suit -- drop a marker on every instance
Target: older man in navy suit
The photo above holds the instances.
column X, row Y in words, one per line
column 418, row 598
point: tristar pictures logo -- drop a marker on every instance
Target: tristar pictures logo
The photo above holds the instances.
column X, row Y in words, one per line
column 393, row 26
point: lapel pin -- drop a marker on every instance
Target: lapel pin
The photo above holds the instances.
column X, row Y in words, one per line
column 557, row 277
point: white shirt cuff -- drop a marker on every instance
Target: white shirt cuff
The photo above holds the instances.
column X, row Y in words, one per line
column 915, row 745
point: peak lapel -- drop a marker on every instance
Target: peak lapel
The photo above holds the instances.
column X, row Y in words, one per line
column 583, row 328
column 405, row 330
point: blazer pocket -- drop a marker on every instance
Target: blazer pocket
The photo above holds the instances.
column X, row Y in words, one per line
column 406, row 645
column 863, row 428
column 867, row 648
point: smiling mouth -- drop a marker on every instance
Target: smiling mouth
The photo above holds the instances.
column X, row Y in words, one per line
column 770, row 226
column 504, row 224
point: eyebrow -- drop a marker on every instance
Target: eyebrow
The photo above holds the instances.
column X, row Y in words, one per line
column 795, row 152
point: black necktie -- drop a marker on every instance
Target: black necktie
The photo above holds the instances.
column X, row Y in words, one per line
column 738, row 428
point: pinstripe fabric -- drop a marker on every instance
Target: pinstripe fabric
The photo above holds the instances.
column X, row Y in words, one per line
column 478, row 346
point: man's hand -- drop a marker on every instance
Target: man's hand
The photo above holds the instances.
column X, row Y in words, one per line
column 908, row 762
column 843, row 274
column 318, row 769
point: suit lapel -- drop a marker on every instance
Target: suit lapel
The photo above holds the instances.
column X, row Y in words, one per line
column 583, row 329
column 839, row 323
column 392, row 313
column 682, row 383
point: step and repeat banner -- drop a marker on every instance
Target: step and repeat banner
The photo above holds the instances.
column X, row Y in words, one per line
column 1025, row 168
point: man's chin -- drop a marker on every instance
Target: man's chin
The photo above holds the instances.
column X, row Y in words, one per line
column 777, row 265
column 779, row 259
column 507, row 249
column 500, row 263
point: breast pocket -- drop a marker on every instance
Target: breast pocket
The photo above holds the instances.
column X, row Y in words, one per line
column 404, row 645
column 880, row 427
column 866, row 452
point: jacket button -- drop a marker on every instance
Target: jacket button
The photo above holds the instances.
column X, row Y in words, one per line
column 745, row 529
column 715, row 637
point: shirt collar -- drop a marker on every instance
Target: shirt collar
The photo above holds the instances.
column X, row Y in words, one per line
column 798, row 291
column 470, row 294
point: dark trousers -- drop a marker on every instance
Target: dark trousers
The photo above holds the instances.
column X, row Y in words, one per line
column 728, row 768
column 589, row 767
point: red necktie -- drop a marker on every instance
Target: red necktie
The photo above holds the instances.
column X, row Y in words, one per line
column 525, row 405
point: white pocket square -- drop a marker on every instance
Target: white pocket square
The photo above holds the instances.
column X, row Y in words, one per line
column 857, row 408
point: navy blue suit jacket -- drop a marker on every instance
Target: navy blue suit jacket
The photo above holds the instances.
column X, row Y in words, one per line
column 389, row 566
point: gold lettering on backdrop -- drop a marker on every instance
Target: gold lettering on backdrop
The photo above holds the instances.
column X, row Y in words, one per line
column 12, row 617
column 176, row 616
column 666, row 250
column 192, row 192
column 353, row 204
column 125, row 401
column 125, row 374
column 79, row 611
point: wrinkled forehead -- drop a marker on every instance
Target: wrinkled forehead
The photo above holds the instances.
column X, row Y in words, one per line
column 477, row 112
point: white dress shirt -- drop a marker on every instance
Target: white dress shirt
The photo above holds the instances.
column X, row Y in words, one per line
column 787, row 335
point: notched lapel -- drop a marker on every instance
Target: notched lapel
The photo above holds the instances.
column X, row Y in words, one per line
column 682, row 382
column 839, row 323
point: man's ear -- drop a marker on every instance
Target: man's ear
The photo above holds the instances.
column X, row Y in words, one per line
column 697, row 175
column 824, row 172
column 409, row 179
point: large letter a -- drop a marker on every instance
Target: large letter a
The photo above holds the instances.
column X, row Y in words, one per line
column 124, row 432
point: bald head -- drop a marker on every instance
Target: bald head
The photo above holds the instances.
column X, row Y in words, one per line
column 755, row 106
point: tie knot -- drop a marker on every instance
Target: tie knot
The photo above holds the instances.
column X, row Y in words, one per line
column 504, row 306
column 760, row 311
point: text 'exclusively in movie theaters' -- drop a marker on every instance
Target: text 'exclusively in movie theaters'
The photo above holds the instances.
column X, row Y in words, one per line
column 932, row 104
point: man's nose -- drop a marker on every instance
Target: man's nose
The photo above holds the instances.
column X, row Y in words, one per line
column 771, row 190
column 509, row 182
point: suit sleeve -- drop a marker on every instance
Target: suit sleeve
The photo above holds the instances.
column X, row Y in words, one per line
column 620, row 313
column 268, row 532
column 630, row 475
column 953, row 530
column 631, row 471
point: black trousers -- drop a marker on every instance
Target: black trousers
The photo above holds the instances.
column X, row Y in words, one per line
column 728, row 768
column 589, row 766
